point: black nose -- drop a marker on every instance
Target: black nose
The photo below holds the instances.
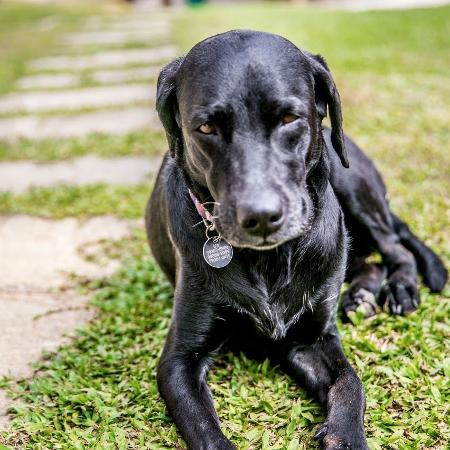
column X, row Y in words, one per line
column 261, row 219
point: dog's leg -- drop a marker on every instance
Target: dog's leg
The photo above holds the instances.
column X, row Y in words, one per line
column 362, row 194
column 323, row 369
column 183, row 369
column 400, row 291
column 365, row 285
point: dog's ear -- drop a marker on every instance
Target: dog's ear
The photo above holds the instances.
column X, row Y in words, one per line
column 167, row 106
column 326, row 94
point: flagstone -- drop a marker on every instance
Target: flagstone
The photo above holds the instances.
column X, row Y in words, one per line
column 128, row 23
column 76, row 99
column 114, row 122
column 112, row 76
column 18, row 176
column 117, row 37
column 59, row 80
column 120, row 76
column 39, row 307
column 105, row 59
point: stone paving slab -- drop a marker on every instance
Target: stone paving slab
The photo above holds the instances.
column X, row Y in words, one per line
column 126, row 75
column 105, row 59
column 117, row 37
column 18, row 176
column 39, row 310
column 55, row 81
column 35, row 324
column 131, row 22
column 114, row 122
column 76, row 99
column 38, row 253
column 4, row 406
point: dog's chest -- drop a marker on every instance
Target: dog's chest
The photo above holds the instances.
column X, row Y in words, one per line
column 274, row 301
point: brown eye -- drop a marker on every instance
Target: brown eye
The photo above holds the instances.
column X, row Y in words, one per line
column 207, row 128
column 288, row 118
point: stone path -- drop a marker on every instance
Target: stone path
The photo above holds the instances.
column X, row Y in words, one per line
column 140, row 35
column 114, row 122
column 76, row 99
column 39, row 305
column 17, row 177
column 112, row 58
column 60, row 80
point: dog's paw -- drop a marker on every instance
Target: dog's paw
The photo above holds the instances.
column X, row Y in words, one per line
column 400, row 294
column 359, row 299
column 331, row 440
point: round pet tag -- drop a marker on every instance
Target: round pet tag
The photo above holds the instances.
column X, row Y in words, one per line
column 217, row 252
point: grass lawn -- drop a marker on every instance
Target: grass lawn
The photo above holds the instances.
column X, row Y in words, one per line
column 137, row 143
column 100, row 392
column 79, row 201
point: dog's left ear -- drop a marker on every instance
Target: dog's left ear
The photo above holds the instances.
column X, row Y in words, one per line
column 327, row 94
column 167, row 106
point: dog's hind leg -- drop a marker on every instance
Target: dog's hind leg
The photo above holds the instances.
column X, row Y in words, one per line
column 362, row 195
column 365, row 284
column 429, row 264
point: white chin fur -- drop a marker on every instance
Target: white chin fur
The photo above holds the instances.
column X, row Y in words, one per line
column 258, row 247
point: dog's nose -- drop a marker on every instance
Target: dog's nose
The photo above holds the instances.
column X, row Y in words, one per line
column 261, row 219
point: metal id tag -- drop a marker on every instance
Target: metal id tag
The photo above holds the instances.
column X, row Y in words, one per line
column 217, row 252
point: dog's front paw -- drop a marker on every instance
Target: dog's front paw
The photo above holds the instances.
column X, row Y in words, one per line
column 359, row 299
column 334, row 440
column 400, row 294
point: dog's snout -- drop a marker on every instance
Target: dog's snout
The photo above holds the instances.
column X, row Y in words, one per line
column 261, row 218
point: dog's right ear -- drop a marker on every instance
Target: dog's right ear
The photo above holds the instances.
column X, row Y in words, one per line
column 167, row 106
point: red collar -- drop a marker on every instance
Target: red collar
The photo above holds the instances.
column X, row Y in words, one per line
column 204, row 213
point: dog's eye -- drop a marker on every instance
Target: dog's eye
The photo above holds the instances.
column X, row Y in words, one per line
column 207, row 128
column 288, row 118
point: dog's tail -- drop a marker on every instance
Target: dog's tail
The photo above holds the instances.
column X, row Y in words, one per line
column 429, row 264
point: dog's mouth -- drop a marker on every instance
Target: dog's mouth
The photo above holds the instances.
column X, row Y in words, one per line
column 259, row 244
column 264, row 245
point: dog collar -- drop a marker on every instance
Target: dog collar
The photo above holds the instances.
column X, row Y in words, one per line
column 217, row 252
column 203, row 212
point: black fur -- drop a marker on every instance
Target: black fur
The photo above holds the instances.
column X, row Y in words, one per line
column 283, row 193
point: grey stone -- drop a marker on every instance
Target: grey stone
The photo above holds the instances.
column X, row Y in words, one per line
column 98, row 76
column 18, row 176
column 117, row 36
column 76, row 99
column 105, row 59
column 48, row 81
column 115, row 122
column 121, row 76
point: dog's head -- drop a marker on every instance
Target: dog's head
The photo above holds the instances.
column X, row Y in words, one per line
column 242, row 113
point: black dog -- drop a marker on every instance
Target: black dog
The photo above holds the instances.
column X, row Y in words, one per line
column 243, row 112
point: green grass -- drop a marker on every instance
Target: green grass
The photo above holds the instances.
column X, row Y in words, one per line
column 85, row 201
column 100, row 391
column 137, row 143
